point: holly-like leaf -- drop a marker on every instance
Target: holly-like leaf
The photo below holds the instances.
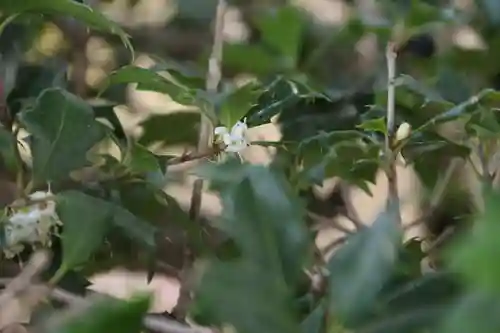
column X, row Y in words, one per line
column 360, row 268
column 65, row 8
column 83, row 233
column 237, row 103
column 108, row 315
column 63, row 129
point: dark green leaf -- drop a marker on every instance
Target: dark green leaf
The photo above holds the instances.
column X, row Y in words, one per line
column 360, row 268
column 237, row 103
column 83, row 233
column 108, row 316
column 63, row 129
column 315, row 321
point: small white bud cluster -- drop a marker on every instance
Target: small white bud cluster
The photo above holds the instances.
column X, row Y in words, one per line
column 31, row 224
column 235, row 140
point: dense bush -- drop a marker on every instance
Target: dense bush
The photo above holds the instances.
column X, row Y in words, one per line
column 261, row 269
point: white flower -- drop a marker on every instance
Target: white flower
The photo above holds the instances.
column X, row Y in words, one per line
column 31, row 224
column 235, row 140
column 403, row 132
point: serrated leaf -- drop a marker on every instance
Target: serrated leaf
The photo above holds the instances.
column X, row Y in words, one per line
column 108, row 315
column 83, row 233
column 360, row 268
column 66, row 8
column 237, row 103
column 374, row 125
column 63, row 129
column 282, row 30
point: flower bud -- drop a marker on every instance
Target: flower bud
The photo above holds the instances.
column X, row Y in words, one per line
column 403, row 132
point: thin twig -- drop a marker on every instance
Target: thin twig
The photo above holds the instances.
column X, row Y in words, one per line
column 151, row 322
column 213, row 79
column 331, row 222
column 393, row 198
column 37, row 263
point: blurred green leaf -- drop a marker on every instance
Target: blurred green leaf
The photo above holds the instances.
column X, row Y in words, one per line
column 63, row 129
column 253, row 59
column 83, row 233
column 374, row 125
column 282, row 29
column 74, row 9
column 7, row 152
column 171, row 129
column 108, row 316
column 475, row 312
column 237, row 103
column 479, row 249
column 149, row 80
column 361, row 267
column 492, row 10
column 315, row 321
column 267, row 300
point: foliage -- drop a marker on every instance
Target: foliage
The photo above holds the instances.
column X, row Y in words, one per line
column 266, row 275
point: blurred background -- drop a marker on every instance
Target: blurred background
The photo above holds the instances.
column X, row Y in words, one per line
column 341, row 49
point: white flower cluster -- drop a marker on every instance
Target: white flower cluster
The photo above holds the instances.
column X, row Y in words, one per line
column 31, row 224
column 235, row 140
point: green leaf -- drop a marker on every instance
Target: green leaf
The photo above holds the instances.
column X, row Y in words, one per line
column 7, row 152
column 492, row 10
column 83, row 233
column 237, row 103
column 108, row 316
column 79, row 11
column 374, row 125
column 171, row 129
column 266, row 298
column 282, row 29
column 266, row 220
column 475, row 312
column 486, row 98
column 139, row 159
column 253, row 59
column 360, row 268
column 315, row 321
column 135, row 228
column 63, row 129
column 149, row 80
column 474, row 256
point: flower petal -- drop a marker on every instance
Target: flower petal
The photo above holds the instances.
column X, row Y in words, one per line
column 221, row 130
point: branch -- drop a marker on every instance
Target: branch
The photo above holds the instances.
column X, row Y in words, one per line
column 390, row 152
column 212, row 82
